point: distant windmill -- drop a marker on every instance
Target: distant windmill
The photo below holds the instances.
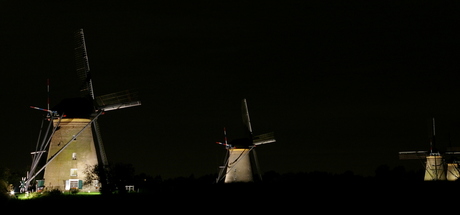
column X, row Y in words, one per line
column 438, row 166
column 237, row 165
column 68, row 141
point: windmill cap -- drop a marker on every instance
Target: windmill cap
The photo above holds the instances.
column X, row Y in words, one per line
column 241, row 143
column 75, row 107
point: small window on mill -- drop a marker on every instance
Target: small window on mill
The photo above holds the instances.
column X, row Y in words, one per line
column 73, row 172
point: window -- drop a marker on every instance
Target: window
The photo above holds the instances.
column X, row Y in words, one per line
column 74, row 156
column 73, row 184
column 73, row 172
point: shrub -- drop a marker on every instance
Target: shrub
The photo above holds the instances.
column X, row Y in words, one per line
column 74, row 190
column 51, row 193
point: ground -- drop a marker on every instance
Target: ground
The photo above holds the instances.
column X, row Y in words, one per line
column 358, row 196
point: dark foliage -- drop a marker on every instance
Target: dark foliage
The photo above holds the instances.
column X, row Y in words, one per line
column 292, row 190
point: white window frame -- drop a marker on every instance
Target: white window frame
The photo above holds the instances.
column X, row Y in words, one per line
column 69, row 182
column 73, row 172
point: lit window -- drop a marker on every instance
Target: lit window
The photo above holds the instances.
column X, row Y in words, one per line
column 73, row 172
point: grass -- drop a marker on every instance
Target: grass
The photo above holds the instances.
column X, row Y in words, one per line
column 24, row 196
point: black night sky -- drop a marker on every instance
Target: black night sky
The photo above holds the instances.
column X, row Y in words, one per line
column 345, row 85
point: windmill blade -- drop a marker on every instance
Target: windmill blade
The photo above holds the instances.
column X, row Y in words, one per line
column 409, row 155
column 101, row 149
column 44, row 145
column 256, row 161
column 264, row 138
column 453, row 156
column 246, row 119
column 100, row 144
column 82, row 65
column 433, row 137
column 118, row 100
column 225, row 137
column 223, row 168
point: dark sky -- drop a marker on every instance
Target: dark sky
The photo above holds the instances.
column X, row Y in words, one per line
column 345, row 85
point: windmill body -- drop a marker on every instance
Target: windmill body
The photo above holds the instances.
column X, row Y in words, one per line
column 435, row 164
column 238, row 166
column 68, row 169
column 453, row 172
column 435, row 168
column 71, row 145
column 438, row 166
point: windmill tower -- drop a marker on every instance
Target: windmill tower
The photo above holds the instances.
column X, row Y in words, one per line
column 238, row 166
column 73, row 130
column 438, row 166
column 435, row 168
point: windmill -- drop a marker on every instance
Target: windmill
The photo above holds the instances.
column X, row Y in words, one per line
column 237, row 165
column 438, row 166
column 68, row 140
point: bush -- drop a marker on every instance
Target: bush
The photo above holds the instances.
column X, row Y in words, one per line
column 4, row 190
column 74, row 190
column 52, row 193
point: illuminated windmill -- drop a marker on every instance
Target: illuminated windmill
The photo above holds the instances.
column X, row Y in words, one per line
column 237, row 165
column 438, row 166
column 69, row 140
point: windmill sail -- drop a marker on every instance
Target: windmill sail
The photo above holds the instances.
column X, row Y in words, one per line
column 246, row 119
column 82, row 64
column 438, row 165
column 264, row 138
column 118, row 100
column 258, row 139
column 409, row 155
